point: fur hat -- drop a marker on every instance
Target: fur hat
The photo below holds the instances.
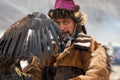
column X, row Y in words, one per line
column 67, row 9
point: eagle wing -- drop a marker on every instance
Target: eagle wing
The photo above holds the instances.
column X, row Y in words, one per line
column 32, row 34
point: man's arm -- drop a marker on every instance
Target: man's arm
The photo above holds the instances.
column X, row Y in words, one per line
column 99, row 66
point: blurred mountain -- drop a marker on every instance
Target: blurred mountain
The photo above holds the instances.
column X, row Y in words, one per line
column 103, row 15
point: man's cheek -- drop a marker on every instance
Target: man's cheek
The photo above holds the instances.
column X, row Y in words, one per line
column 67, row 27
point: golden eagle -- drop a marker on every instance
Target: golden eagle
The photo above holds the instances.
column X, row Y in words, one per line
column 32, row 35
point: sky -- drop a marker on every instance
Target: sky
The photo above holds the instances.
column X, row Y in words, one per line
column 103, row 17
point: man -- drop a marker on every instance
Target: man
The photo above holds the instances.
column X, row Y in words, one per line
column 83, row 58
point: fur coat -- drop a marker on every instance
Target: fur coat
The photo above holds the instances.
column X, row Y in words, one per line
column 94, row 61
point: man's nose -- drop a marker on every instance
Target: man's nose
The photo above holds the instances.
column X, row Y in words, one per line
column 62, row 27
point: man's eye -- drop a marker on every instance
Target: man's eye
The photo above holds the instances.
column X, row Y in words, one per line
column 58, row 23
column 65, row 22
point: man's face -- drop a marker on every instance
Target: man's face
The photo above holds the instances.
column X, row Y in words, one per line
column 67, row 26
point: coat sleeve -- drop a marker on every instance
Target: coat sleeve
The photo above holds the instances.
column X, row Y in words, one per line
column 35, row 69
column 98, row 68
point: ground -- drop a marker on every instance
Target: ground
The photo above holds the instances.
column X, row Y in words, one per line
column 115, row 75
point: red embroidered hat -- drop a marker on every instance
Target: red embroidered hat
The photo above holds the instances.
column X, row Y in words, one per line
column 67, row 9
column 64, row 9
column 64, row 4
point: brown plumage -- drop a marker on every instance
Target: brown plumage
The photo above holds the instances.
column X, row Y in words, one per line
column 32, row 34
column 10, row 69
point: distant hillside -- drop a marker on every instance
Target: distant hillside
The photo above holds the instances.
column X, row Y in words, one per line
column 103, row 15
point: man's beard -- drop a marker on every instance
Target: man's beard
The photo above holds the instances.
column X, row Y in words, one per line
column 66, row 36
